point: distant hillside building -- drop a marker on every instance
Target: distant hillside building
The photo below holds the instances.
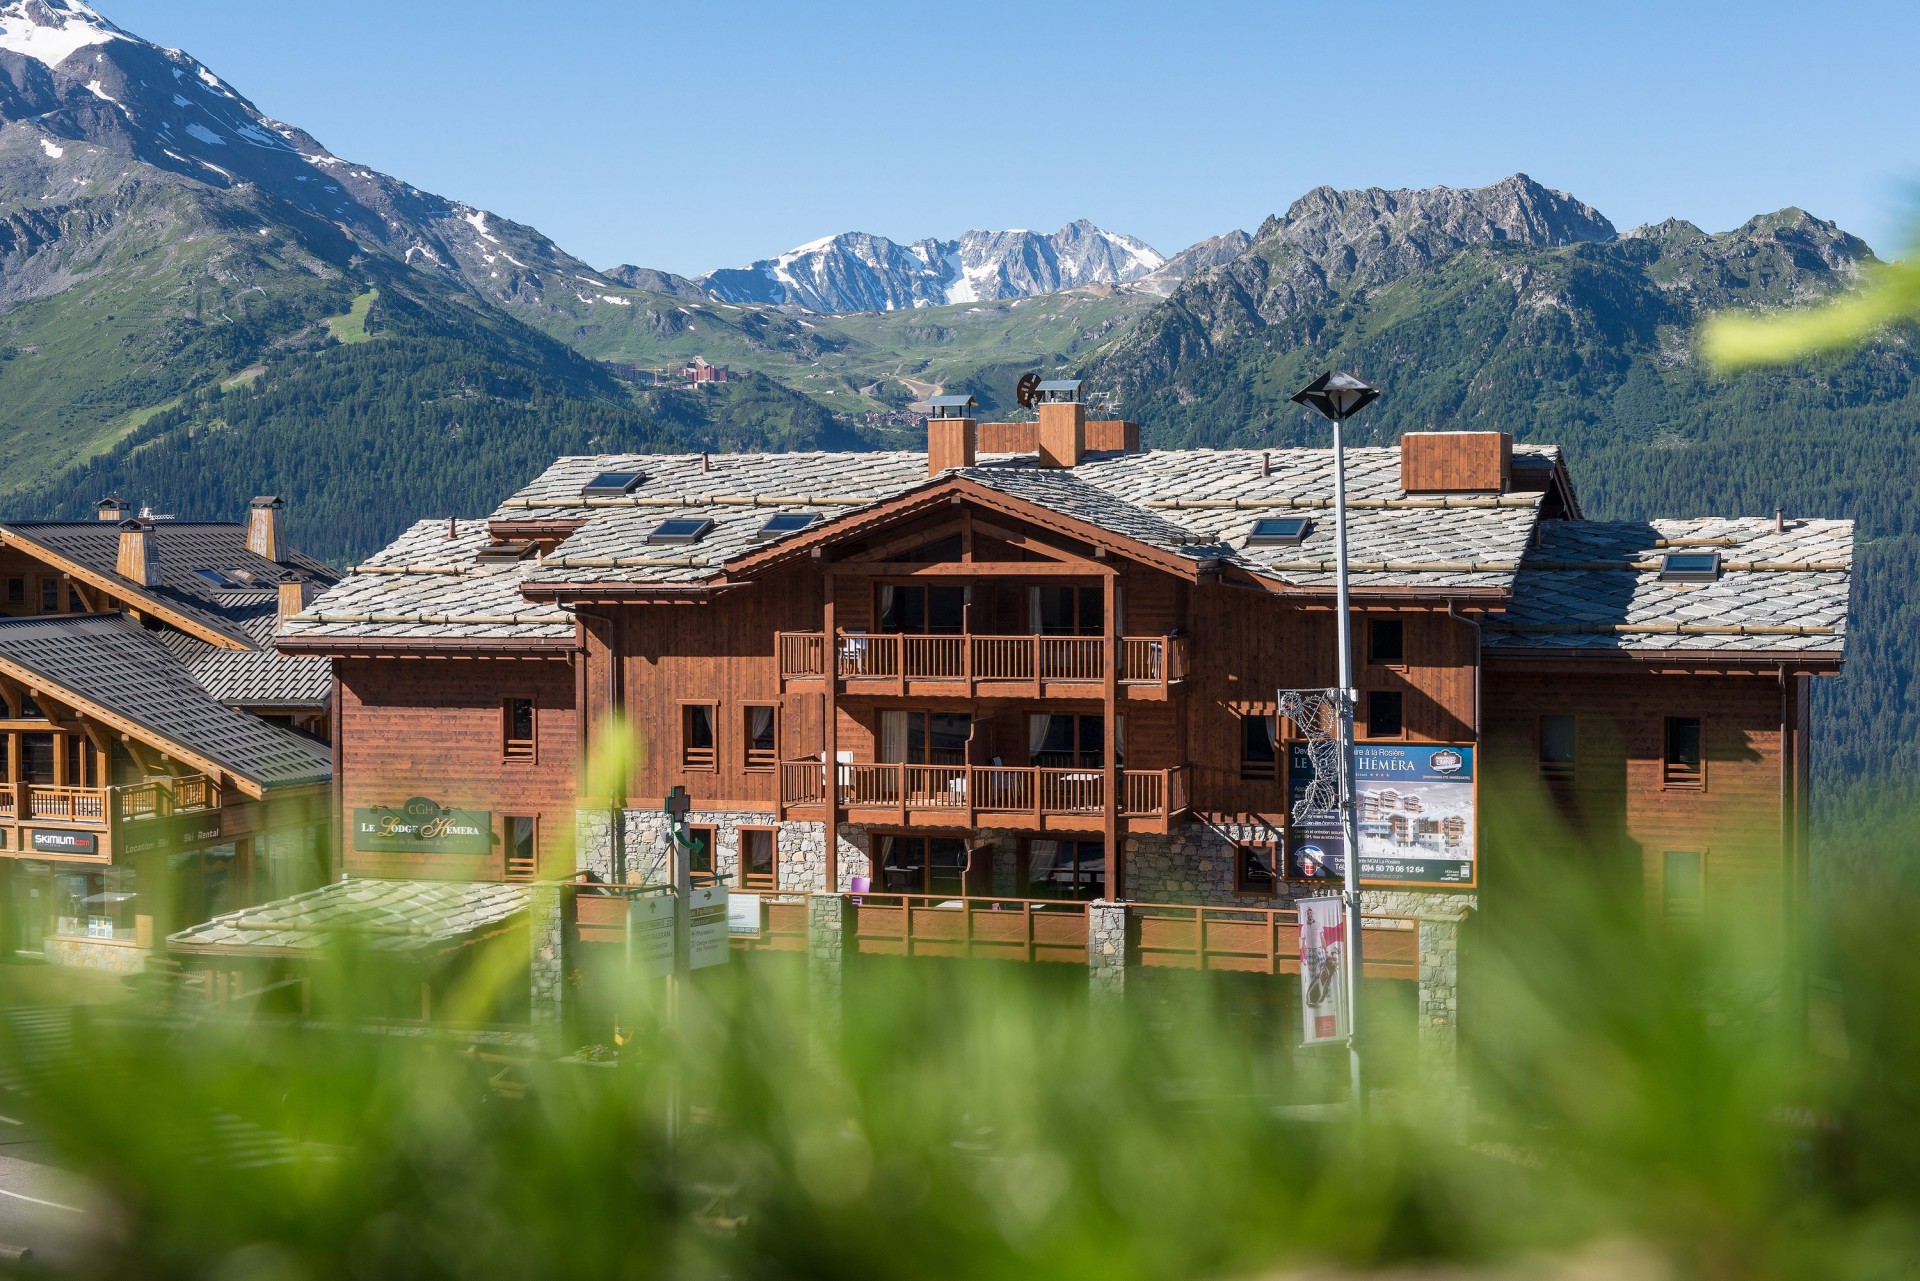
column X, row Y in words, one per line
column 697, row 371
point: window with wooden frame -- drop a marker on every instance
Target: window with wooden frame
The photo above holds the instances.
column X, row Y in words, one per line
column 1386, row 713
column 759, row 859
column 1063, row 869
column 1386, row 642
column 1259, row 747
column 700, row 857
column 1684, row 764
column 17, row 591
column 521, row 835
column 1683, row 885
column 757, row 734
column 516, row 729
column 697, row 737
column 1256, row 869
column 1558, row 748
column 49, row 595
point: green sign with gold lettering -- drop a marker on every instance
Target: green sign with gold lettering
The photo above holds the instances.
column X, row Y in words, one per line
column 422, row 826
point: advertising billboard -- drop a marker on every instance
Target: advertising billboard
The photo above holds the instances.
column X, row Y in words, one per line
column 1417, row 804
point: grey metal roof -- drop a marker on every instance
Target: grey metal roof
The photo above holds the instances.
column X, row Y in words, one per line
column 384, row 916
column 1062, row 384
column 949, row 402
column 428, row 585
column 112, row 661
column 184, row 547
column 1595, row 585
column 261, row 677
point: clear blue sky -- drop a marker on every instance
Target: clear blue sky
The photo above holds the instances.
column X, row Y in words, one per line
column 697, row 135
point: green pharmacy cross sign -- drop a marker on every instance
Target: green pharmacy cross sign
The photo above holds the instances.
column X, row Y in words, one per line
column 422, row 826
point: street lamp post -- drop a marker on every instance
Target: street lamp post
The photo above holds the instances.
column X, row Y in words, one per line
column 1339, row 397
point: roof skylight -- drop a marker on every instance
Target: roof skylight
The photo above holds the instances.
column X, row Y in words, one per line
column 680, row 529
column 1279, row 531
column 612, row 484
column 786, row 523
column 1690, row 567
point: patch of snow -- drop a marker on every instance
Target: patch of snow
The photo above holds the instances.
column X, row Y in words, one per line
column 206, row 135
column 265, row 231
column 212, row 81
column 260, row 137
column 478, row 221
column 618, row 302
column 94, row 88
column 74, row 27
column 178, row 101
column 54, row 152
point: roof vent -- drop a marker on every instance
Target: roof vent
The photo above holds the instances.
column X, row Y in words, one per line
column 950, row 407
column 613, row 484
column 1061, row 391
column 139, row 557
column 1690, row 567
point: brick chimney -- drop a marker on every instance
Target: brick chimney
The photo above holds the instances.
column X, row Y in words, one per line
column 294, row 597
column 1456, row 462
column 139, row 558
column 953, row 437
column 1063, row 424
column 113, row 508
column 263, row 527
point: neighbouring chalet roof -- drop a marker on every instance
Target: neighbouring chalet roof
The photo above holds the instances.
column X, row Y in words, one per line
column 109, row 666
column 1596, row 585
column 185, row 547
column 207, row 621
column 428, row 585
column 257, row 678
column 383, row 916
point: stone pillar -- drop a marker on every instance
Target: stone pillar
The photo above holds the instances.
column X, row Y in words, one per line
column 829, row 929
column 548, row 908
column 1439, row 999
column 1107, row 950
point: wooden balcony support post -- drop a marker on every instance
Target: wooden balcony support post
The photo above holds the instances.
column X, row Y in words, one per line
column 1110, row 707
column 830, row 732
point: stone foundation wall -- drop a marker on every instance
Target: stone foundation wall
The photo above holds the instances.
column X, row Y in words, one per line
column 92, row 954
column 800, row 848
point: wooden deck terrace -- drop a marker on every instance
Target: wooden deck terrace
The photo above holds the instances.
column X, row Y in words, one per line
column 1049, row 931
column 965, row 665
column 28, row 806
column 1015, row 797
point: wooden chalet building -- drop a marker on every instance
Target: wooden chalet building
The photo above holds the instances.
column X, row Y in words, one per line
column 162, row 762
column 1036, row 662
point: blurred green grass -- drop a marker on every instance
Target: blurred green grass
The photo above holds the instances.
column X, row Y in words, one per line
column 1621, row 1084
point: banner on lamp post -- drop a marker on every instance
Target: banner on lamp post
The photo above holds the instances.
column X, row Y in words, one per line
column 1323, row 970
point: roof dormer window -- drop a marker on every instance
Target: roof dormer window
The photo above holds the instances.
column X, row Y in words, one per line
column 1280, row 531
column 1690, row 567
column 681, row 529
column 505, row 553
column 613, row 484
column 786, row 523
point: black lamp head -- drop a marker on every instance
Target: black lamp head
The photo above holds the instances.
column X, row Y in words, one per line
column 1337, row 396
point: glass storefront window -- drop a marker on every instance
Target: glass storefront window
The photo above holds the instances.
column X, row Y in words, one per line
column 95, row 905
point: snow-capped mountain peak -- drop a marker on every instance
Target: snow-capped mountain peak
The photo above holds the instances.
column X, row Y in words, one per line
column 858, row 271
column 51, row 31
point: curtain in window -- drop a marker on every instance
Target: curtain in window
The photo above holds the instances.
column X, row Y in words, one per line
column 760, row 726
column 1039, row 725
column 1041, row 857
column 893, row 738
column 886, row 619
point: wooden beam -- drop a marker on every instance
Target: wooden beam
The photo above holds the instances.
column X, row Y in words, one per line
column 908, row 541
column 978, row 569
column 75, row 570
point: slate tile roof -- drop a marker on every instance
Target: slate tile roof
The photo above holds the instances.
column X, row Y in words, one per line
column 1199, row 504
column 427, row 585
column 1596, row 585
column 385, row 916
column 113, row 662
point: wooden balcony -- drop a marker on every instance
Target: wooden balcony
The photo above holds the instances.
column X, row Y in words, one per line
column 94, row 806
column 1021, row 798
column 1004, row 929
column 972, row 666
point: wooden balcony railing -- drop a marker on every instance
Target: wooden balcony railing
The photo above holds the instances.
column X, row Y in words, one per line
column 989, row 793
column 91, row 806
column 1263, row 940
column 867, row 658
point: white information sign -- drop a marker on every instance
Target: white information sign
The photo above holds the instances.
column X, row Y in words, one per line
column 650, row 931
column 743, row 915
column 1323, row 970
column 707, row 927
